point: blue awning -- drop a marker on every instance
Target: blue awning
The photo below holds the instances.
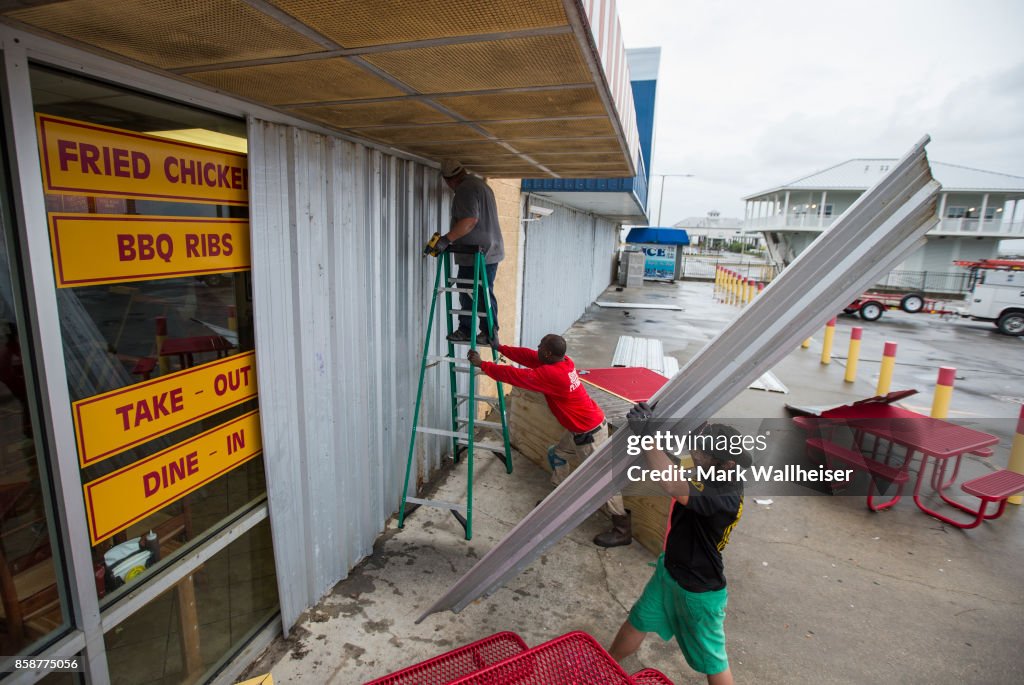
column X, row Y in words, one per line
column 658, row 236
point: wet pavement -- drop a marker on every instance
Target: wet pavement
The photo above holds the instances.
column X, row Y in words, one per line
column 821, row 590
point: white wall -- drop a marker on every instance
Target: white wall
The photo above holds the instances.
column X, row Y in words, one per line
column 569, row 259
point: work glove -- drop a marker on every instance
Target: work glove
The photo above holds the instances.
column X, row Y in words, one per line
column 639, row 416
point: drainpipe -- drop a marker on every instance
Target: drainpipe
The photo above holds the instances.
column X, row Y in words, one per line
column 984, row 208
column 785, row 209
column 942, row 211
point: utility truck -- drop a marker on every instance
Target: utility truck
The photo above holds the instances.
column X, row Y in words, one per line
column 997, row 293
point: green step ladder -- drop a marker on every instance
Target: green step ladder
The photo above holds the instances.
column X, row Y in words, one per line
column 462, row 427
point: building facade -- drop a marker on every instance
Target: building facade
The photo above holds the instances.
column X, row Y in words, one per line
column 978, row 209
column 212, row 231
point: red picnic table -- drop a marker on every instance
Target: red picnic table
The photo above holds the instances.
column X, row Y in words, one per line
column 937, row 441
column 504, row 659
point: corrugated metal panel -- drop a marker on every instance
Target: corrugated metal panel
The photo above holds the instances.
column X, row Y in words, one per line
column 339, row 295
column 569, row 261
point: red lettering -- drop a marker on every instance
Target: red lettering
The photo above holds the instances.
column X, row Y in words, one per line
column 169, row 164
column 236, row 178
column 191, row 243
column 66, row 153
column 222, row 175
column 177, row 401
column 90, row 154
column 146, row 251
column 142, row 412
column 210, row 174
column 226, row 242
column 176, row 471
column 140, row 165
column 123, row 411
column 213, row 243
column 192, row 463
column 236, row 441
column 121, row 163
column 150, row 483
column 125, row 247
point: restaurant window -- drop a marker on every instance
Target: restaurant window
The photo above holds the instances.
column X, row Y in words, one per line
column 32, row 605
column 147, row 211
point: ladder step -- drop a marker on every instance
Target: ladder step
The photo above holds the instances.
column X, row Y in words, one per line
column 455, row 290
column 480, row 423
column 460, row 281
column 493, row 446
column 442, row 432
column 478, row 398
column 467, row 312
column 440, row 504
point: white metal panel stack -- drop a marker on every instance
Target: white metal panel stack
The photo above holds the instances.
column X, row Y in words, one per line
column 648, row 353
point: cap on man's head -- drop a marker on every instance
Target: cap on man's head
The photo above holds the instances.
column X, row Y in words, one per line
column 451, row 168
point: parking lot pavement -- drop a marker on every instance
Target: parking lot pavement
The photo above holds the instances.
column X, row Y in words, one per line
column 821, row 590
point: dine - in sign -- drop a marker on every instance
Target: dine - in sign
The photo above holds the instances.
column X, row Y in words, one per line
column 88, row 159
column 119, row 499
column 90, row 249
column 110, row 423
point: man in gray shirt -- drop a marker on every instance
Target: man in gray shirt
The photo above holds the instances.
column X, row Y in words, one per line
column 474, row 222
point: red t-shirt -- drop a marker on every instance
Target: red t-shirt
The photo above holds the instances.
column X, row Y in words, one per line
column 561, row 385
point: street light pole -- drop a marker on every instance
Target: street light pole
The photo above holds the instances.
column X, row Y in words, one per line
column 661, row 193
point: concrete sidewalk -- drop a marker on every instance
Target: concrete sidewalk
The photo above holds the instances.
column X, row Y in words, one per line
column 821, row 589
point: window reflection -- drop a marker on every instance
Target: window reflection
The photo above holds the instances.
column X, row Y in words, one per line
column 30, row 601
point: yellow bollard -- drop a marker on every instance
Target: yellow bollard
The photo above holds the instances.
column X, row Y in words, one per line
column 806, row 343
column 718, row 278
column 943, row 392
column 730, row 287
column 750, row 290
column 161, row 335
column 853, row 355
column 232, row 318
column 1017, row 454
column 826, row 344
column 888, row 365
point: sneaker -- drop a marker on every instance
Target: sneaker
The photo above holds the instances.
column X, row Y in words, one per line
column 458, row 336
column 483, row 339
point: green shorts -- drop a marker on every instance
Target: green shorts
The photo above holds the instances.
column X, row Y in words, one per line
column 695, row 619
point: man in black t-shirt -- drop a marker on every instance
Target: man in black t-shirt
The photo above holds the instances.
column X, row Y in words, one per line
column 686, row 597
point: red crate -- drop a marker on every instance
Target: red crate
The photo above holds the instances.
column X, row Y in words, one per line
column 572, row 659
column 650, row 676
column 450, row 666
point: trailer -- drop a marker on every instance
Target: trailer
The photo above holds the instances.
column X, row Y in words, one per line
column 997, row 293
column 871, row 305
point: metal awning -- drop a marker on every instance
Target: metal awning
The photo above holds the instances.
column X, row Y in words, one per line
column 525, row 89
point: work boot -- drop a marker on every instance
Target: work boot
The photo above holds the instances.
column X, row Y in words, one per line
column 620, row 534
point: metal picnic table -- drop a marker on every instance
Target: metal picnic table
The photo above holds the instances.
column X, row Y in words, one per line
column 937, row 441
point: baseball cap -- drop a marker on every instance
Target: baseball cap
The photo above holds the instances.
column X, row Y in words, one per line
column 451, row 167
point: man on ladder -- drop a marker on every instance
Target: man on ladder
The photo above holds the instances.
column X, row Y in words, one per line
column 474, row 222
column 550, row 372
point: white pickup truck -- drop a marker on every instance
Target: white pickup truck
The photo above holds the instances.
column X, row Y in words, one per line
column 997, row 294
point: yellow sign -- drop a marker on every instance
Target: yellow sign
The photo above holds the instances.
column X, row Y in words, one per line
column 89, row 249
column 121, row 498
column 117, row 420
column 88, row 159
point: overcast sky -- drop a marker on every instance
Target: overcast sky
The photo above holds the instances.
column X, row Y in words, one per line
column 754, row 94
